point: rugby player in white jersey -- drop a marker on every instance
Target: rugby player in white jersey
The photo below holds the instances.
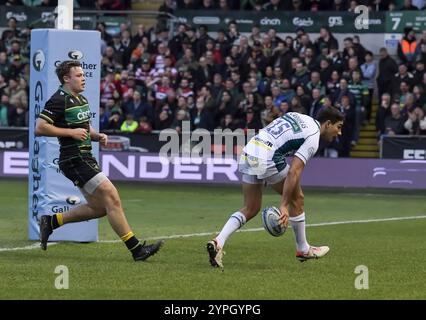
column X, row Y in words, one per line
column 263, row 161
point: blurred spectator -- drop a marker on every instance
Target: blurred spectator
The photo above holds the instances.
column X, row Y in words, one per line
column 119, row 48
column 144, row 126
column 109, row 88
column 201, row 117
column 310, row 60
column 181, row 116
column 186, row 4
column 224, row 107
column 379, row 5
column 360, row 92
column 369, row 75
column 353, row 49
column 207, row 5
column 408, row 6
column 420, row 42
column 168, row 6
column 326, row 39
column 301, row 76
column 325, row 71
column 112, row 60
column 387, row 69
column 296, row 105
column 138, row 108
column 419, row 96
column 339, row 5
column 164, row 118
column 3, row 83
column 333, row 83
column 270, row 112
column 109, row 5
column 419, row 4
column 17, row 95
column 5, row 67
column 252, row 120
column 316, row 104
column 416, row 122
column 305, row 99
column 274, row 5
column 383, row 112
column 224, row 5
column 336, row 59
column 348, row 128
column 394, row 123
column 404, row 92
column 7, row 112
column 316, row 83
column 129, row 125
column 203, row 74
column 115, row 120
column 13, row 3
column 422, row 54
column 402, row 76
column 228, row 123
column 343, row 90
column 106, row 38
column 104, row 115
column 418, row 72
column 11, row 32
column 297, row 5
column 283, row 108
column 407, row 46
column 17, row 66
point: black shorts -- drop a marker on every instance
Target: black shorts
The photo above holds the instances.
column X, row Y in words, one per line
column 79, row 169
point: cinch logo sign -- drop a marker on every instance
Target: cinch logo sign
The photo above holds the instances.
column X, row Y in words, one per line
column 270, row 22
column 83, row 115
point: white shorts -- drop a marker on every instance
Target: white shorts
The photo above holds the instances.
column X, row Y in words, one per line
column 258, row 171
column 91, row 185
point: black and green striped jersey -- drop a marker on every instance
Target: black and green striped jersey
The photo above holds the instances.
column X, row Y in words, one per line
column 359, row 90
column 65, row 110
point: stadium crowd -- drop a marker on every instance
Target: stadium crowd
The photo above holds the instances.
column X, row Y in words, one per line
column 291, row 5
column 151, row 81
column 89, row 4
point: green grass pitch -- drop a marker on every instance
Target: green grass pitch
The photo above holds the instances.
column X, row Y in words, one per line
column 257, row 265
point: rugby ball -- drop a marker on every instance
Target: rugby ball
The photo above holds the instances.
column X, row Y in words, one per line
column 271, row 221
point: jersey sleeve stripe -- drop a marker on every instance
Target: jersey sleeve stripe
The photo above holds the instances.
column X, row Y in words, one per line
column 43, row 116
column 301, row 157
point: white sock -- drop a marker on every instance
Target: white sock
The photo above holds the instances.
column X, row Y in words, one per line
column 236, row 221
column 298, row 225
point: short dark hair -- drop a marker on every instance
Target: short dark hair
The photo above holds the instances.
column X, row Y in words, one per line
column 64, row 68
column 331, row 114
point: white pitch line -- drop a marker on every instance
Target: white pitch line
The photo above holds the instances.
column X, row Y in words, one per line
column 202, row 234
column 32, row 246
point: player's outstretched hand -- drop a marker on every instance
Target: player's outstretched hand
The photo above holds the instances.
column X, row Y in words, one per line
column 79, row 134
column 284, row 216
column 103, row 139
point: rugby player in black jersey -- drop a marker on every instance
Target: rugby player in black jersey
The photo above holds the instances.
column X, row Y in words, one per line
column 66, row 115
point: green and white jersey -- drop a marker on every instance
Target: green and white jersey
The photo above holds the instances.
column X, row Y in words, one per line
column 65, row 110
column 292, row 134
